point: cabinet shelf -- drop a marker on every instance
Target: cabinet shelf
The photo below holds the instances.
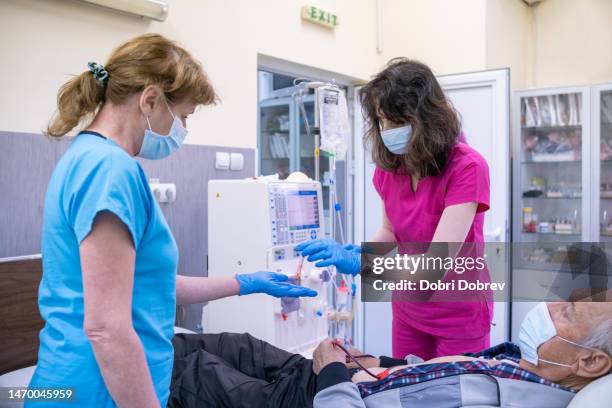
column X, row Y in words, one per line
column 553, row 162
column 543, row 266
column 551, row 128
column 552, row 198
column 573, row 234
column 274, row 131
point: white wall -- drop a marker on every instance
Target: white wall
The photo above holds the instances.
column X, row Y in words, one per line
column 573, row 42
column 45, row 41
column 556, row 43
column 508, row 39
column 447, row 35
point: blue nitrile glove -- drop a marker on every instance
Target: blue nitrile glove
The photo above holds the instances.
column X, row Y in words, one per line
column 353, row 248
column 328, row 252
column 273, row 284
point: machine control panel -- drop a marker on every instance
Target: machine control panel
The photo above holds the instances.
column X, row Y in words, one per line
column 294, row 213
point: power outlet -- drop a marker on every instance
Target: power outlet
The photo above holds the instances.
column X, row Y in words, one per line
column 163, row 192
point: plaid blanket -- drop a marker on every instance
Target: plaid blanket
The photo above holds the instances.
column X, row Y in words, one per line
column 427, row 372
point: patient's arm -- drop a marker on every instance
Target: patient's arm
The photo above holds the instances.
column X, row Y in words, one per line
column 362, row 376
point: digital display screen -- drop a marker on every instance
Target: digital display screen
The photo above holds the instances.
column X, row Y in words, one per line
column 302, row 209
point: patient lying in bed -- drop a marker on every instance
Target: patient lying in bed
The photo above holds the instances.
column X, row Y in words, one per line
column 237, row 370
column 573, row 364
column 570, row 348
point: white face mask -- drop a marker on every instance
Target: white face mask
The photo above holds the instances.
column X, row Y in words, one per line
column 156, row 146
column 537, row 328
column 396, row 140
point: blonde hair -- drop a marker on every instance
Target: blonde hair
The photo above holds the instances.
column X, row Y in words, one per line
column 149, row 59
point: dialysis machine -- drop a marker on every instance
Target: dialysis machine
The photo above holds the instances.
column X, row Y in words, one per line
column 254, row 225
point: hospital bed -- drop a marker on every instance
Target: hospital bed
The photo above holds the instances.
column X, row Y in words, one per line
column 20, row 324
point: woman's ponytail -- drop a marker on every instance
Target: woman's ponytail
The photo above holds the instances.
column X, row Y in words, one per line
column 77, row 99
column 149, row 59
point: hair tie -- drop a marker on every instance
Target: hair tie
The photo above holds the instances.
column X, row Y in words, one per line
column 98, row 72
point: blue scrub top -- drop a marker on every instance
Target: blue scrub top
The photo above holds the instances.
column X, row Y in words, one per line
column 95, row 175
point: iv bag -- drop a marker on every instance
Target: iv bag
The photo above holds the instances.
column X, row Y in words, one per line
column 333, row 121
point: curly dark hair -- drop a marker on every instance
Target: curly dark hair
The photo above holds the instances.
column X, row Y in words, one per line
column 407, row 92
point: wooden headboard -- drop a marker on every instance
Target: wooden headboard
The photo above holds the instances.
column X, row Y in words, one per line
column 20, row 320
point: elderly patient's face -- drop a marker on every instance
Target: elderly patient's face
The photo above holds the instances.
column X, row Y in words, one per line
column 573, row 321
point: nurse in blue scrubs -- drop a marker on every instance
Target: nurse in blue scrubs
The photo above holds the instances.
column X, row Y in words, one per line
column 109, row 289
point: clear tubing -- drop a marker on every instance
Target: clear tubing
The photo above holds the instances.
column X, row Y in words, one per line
column 334, row 192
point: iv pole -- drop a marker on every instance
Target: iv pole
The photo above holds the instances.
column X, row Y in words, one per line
column 315, row 132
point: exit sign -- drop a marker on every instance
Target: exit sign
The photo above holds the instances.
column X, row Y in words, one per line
column 319, row 16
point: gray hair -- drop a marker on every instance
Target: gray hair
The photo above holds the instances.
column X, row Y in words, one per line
column 600, row 337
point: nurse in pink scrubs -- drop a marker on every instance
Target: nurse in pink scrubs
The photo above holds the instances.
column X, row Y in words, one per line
column 435, row 188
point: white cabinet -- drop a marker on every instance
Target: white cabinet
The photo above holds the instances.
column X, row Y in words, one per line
column 551, row 170
column 562, row 187
column 602, row 162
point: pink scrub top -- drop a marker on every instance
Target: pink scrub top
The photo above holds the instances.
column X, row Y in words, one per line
column 414, row 217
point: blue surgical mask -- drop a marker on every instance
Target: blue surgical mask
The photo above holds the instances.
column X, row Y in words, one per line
column 397, row 139
column 537, row 328
column 156, row 146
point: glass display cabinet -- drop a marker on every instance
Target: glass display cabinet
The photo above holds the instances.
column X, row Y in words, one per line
column 602, row 124
column 276, row 139
column 551, row 182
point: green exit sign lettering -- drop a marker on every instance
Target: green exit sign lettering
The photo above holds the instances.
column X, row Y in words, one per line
column 319, row 16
